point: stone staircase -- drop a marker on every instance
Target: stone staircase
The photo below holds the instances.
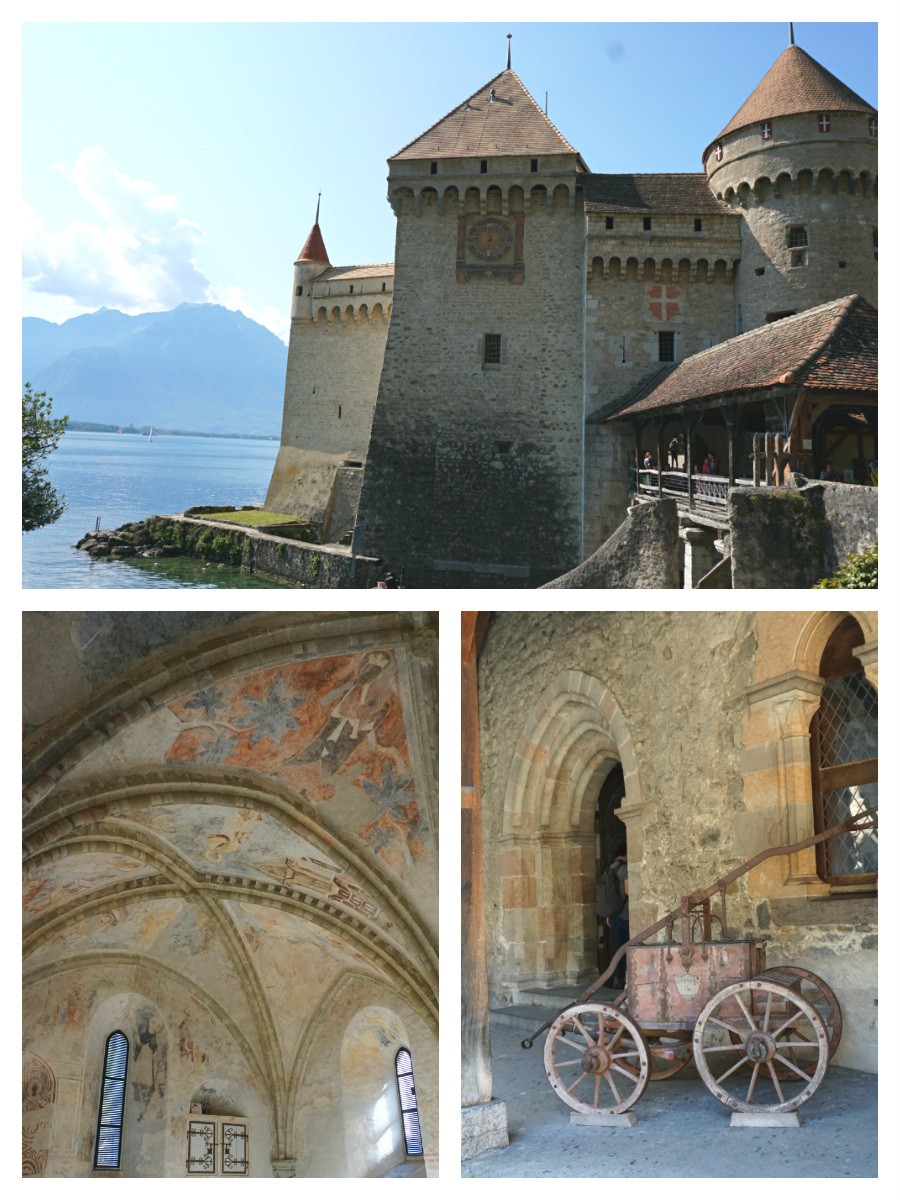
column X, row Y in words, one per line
column 538, row 1004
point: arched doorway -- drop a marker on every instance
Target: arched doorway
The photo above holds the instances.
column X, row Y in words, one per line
column 610, row 830
column 575, row 747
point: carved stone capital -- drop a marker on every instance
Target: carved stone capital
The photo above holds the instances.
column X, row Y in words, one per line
column 791, row 701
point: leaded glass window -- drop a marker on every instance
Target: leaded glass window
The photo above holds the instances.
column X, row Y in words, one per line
column 844, row 754
column 112, row 1104
column 407, row 1088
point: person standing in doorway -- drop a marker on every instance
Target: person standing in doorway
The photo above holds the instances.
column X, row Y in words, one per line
column 619, row 923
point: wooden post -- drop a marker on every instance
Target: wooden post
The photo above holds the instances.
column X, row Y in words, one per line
column 476, row 1041
column 689, row 459
column 659, row 458
column 730, row 416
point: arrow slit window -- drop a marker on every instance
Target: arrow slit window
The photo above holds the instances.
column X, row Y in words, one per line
column 844, row 756
column 408, row 1107
column 107, row 1155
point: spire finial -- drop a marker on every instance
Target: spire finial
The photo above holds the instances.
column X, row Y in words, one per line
column 791, row 24
column 318, row 202
column 509, row 52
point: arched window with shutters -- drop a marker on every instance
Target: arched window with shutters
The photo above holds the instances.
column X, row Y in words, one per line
column 108, row 1153
column 844, row 758
column 406, row 1086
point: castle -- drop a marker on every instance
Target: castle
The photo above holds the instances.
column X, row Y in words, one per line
column 462, row 407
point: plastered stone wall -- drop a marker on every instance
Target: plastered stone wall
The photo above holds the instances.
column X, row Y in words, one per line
column 683, row 702
column 334, row 363
column 191, row 876
column 484, row 463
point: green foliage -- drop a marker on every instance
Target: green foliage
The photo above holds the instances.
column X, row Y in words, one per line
column 856, row 571
column 257, row 519
column 40, row 436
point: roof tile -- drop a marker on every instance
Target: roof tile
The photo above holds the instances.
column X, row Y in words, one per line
column 666, row 193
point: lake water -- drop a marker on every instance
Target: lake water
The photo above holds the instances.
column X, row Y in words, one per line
column 124, row 477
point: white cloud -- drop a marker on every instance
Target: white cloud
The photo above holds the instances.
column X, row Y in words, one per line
column 136, row 254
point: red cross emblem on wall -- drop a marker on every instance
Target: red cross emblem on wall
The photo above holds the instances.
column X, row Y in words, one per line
column 663, row 301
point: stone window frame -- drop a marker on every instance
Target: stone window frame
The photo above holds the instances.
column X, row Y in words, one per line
column 777, row 754
column 661, row 334
column 492, row 353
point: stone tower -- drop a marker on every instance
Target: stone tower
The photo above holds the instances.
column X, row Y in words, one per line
column 798, row 162
column 474, row 469
column 339, row 323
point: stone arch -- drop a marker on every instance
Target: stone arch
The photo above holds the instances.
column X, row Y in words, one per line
column 574, row 736
column 322, row 315
column 472, row 200
column 825, row 181
column 362, row 315
column 560, row 198
column 816, row 632
column 428, row 199
column 493, row 200
column 538, row 198
column 666, row 270
column 632, row 269
column 516, row 199
column 373, row 1123
column 450, row 198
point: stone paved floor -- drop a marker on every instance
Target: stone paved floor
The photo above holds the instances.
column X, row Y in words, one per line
column 682, row 1130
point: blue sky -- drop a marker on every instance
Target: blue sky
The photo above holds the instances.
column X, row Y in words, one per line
column 170, row 162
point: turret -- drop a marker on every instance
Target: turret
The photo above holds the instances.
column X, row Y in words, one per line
column 311, row 261
column 799, row 162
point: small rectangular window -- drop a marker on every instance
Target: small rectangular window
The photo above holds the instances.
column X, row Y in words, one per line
column 351, row 289
column 610, row 223
column 434, row 168
column 698, row 225
column 647, row 223
column 491, row 354
column 484, row 166
column 824, row 122
column 797, row 236
column 666, row 345
column 534, row 166
column 299, row 291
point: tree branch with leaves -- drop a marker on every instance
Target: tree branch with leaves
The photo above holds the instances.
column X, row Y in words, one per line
column 41, row 431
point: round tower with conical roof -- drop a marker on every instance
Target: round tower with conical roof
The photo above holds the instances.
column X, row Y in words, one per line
column 799, row 162
column 311, row 261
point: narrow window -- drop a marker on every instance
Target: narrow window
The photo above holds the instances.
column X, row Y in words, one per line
column 648, row 223
column 492, row 343
column 766, row 130
column 666, row 346
column 534, row 166
column 299, row 291
column 351, row 289
column 844, row 759
column 610, row 223
column 406, row 1086
column 698, row 225
column 718, row 151
column 339, row 412
column 484, row 166
column 824, row 122
column 384, row 287
column 434, row 168
column 873, row 127
column 112, row 1104
column 874, row 239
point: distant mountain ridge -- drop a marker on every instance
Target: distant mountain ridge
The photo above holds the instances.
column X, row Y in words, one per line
column 200, row 366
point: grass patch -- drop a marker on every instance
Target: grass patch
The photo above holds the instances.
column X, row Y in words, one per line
column 256, row 520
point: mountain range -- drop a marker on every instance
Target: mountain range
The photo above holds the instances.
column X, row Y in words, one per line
column 200, row 367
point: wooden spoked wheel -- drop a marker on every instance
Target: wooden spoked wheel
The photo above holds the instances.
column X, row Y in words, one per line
column 596, row 1059
column 819, row 995
column 669, row 1053
column 764, row 1026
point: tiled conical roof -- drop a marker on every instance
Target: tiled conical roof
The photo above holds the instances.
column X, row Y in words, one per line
column 795, row 83
column 512, row 123
column 314, row 248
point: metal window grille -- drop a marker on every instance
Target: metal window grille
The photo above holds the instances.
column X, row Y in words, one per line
column 797, row 236
column 492, row 347
column 406, row 1086
column 112, row 1103
column 845, row 750
column 666, row 346
column 824, row 122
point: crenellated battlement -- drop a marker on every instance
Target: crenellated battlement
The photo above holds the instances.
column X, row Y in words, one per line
column 507, row 199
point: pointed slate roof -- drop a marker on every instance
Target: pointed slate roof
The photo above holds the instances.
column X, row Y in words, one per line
column 512, row 123
column 314, row 248
column 833, row 347
column 795, row 83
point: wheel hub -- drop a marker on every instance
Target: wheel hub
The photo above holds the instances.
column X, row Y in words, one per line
column 760, row 1048
column 596, row 1060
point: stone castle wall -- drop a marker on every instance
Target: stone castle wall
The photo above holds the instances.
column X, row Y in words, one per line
column 334, row 363
column 482, row 461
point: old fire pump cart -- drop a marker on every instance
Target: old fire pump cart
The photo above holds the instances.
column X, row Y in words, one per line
column 761, row 1037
